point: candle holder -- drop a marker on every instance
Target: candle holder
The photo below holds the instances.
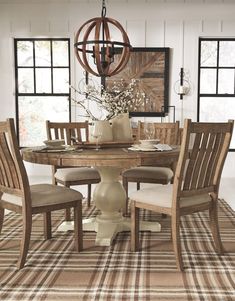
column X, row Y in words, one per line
column 182, row 86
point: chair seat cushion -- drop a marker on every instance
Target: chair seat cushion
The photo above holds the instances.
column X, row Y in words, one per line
column 149, row 172
column 162, row 196
column 46, row 194
column 76, row 174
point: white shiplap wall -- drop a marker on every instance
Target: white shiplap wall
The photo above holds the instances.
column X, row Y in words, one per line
column 150, row 23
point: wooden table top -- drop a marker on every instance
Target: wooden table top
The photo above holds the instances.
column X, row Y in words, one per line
column 103, row 157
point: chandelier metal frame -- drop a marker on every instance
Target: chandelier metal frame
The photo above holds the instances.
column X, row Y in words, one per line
column 103, row 47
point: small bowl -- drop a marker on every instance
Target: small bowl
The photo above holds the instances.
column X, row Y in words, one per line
column 54, row 143
column 149, row 142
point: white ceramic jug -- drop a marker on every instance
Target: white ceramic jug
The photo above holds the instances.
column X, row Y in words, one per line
column 103, row 130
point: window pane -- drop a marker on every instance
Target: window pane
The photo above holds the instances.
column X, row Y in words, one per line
column 43, row 80
column 25, row 80
column 42, row 53
column 226, row 81
column 25, row 53
column 61, row 80
column 209, row 53
column 208, row 81
column 34, row 111
column 227, row 54
column 218, row 109
column 60, row 53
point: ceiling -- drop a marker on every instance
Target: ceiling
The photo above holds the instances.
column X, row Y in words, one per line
column 118, row 1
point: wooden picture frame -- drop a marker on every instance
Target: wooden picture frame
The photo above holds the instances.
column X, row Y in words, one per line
column 150, row 67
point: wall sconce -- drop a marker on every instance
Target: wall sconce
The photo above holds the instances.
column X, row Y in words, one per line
column 182, row 86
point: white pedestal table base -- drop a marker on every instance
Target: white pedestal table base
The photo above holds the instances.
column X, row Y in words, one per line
column 109, row 197
column 106, row 232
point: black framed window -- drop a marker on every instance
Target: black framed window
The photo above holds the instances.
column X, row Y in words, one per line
column 216, row 80
column 42, row 71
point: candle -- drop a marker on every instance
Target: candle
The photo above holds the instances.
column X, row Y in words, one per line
column 181, row 89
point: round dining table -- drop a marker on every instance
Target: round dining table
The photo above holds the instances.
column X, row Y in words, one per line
column 109, row 195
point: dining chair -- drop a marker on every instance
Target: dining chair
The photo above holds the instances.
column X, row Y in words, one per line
column 167, row 133
column 196, row 183
column 72, row 132
column 180, row 136
column 17, row 195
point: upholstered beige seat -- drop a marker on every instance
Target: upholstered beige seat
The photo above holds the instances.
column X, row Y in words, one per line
column 72, row 132
column 76, row 174
column 162, row 196
column 150, row 172
column 17, row 195
column 45, row 195
column 196, row 183
column 168, row 134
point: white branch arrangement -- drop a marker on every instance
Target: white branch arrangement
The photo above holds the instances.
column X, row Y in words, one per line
column 119, row 99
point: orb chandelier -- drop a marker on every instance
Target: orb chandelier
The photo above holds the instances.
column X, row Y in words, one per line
column 97, row 42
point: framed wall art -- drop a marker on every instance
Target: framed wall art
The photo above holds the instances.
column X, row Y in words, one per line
column 149, row 68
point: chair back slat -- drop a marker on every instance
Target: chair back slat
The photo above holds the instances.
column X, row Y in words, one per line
column 79, row 133
column 202, row 155
column 13, row 177
column 4, row 179
column 62, row 136
column 69, row 131
column 206, row 160
column 199, row 161
column 167, row 132
column 170, row 136
column 180, row 134
column 68, row 135
column 192, row 162
column 1, row 174
column 219, row 141
column 56, row 131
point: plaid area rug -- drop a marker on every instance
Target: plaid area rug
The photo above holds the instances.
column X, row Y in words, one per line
column 54, row 271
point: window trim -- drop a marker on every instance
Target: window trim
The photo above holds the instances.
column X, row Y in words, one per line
column 18, row 94
column 199, row 95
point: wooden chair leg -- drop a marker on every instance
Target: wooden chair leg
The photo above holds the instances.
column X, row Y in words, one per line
column 78, row 233
column 175, row 225
column 1, row 218
column 53, row 179
column 171, row 235
column 67, row 215
column 67, row 211
column 213, row 211
column 125, row 186
column 88, row 195
column 24, row 246
column 134, row 227
column 138, row 185
column 47, row 225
